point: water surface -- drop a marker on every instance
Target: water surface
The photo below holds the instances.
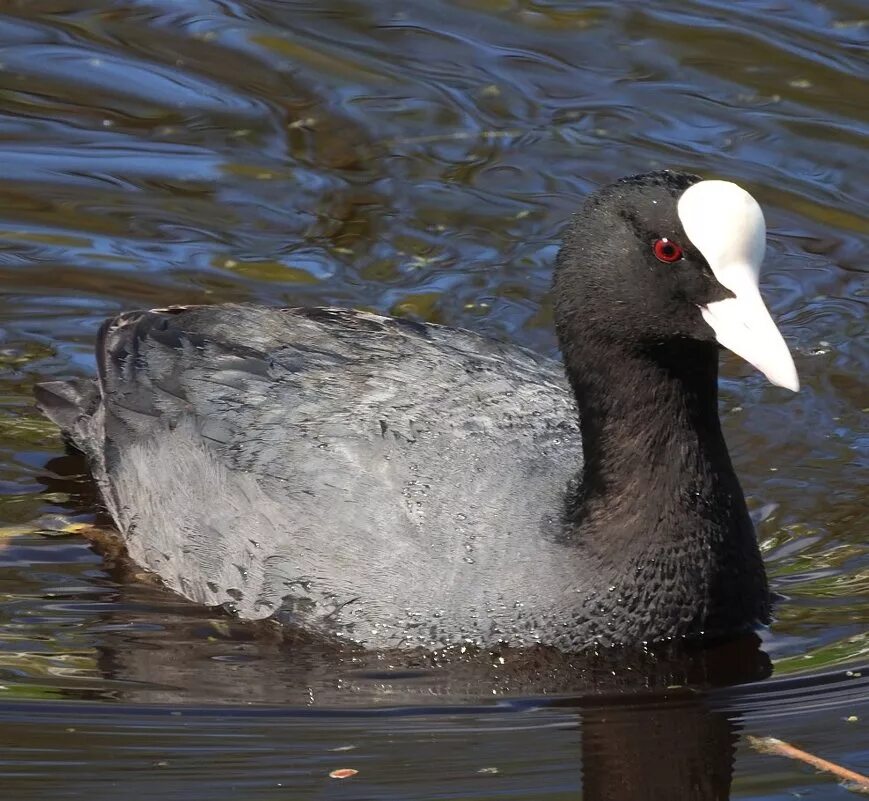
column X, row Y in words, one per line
column 417, row 159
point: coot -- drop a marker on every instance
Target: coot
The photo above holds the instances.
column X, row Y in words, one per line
column 403, row 485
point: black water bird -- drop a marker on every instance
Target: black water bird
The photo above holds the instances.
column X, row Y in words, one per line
column 401, row 485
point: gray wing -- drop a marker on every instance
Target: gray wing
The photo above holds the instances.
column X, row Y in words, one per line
column 350, row 472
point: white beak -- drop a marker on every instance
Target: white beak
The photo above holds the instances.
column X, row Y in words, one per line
column 726, row 225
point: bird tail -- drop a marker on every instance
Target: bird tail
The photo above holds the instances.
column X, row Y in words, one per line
column 69, row 405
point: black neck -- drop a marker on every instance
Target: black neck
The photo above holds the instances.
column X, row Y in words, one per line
column 660, row 511
column 649, row 419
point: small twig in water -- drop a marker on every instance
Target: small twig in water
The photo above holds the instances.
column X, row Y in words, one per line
column 770, row 745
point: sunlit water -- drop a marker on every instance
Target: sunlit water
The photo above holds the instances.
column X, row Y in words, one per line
column 418, row 159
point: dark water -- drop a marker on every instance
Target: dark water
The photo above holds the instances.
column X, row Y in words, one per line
column 418, row 159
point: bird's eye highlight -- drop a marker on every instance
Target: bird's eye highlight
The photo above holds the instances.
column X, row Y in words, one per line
column 667, row 251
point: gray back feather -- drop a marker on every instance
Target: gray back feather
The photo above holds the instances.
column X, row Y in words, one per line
column 385, row 481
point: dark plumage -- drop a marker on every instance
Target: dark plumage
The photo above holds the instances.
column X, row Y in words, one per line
column 400, row 485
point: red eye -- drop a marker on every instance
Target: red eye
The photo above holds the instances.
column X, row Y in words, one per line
column 667, row 251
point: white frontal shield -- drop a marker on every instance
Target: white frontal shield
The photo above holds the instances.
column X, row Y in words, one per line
column 726, row 225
